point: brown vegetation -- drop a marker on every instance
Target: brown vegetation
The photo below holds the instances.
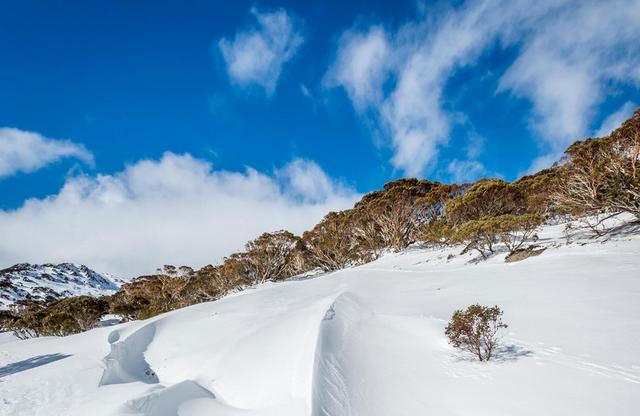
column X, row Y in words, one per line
column 62, row 317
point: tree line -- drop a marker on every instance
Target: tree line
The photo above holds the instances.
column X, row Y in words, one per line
column 596, row 179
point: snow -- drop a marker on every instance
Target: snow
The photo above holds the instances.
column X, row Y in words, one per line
column 41, row 281
column 366, row 341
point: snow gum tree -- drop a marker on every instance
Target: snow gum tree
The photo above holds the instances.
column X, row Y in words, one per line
column 603, row 175
column 271, row 256
column 511, row 230
column 538, row 190
column 330, row 245
column 486, row 198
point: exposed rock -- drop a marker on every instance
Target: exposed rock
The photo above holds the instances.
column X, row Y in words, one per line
column 524, row 253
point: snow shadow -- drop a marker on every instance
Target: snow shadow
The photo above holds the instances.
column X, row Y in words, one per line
column 126, row 362
column 510, row 353
column 502, row 354
column 167, row 401
column 30, row 363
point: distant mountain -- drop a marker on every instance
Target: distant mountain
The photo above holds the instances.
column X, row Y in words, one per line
column 40, row 282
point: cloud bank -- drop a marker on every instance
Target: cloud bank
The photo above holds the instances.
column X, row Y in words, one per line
column 569, row 55
column 256, row 56
column 26, row 152
column 176, row 210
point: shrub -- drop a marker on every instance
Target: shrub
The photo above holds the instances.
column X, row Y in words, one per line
column 27, row 322
column 476, row 330
column 7, row 318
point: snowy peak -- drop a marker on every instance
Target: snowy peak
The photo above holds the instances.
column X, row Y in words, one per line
column 45, row 282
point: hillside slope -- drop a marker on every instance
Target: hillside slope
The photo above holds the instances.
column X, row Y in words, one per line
column 365, row 341
column 39, row 282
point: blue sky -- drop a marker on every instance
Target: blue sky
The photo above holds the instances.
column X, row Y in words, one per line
column 320, row 101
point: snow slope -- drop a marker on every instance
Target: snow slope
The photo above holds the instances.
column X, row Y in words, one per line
column 38, row 282
column 364, row 341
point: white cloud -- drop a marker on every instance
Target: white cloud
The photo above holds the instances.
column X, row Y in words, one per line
column 23, row 151
column 569, row 54
column 175, row 210
column 568, row 62
column 461, row 171
column 615, row 120
column 418, row 59
column 305, row 180
column 361, row 66
column 256, row 56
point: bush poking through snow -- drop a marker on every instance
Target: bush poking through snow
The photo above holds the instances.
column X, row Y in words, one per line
column 476, row 330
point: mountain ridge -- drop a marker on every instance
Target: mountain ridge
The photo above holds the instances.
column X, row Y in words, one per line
column 41, row 283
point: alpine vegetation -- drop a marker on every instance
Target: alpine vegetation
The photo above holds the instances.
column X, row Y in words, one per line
column 476, row 330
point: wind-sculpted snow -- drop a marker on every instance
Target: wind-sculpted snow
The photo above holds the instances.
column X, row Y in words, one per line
column 334, row 378
column 364, row 341
column 126, row 363
column 330, row 390
column 167, row 401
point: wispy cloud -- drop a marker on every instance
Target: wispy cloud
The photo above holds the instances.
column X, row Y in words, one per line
column 255, row 56
column 569, row 59
column 616, row 119
column 569, row 54
column 174, row 210
column 361, row 66
column 23, row 151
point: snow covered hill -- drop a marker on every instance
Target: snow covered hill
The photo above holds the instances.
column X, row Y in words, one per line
column 365, row 341
column 38, row 282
